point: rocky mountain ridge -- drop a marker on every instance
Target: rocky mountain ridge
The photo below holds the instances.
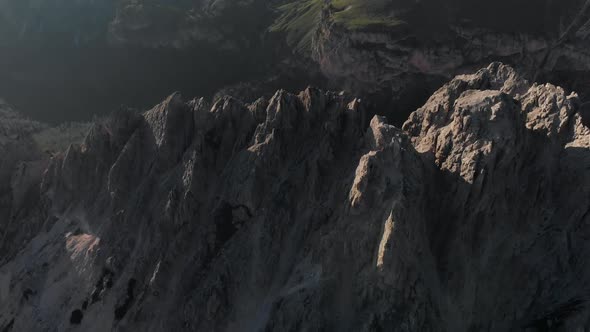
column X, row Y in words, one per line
column 295, row 214
column 26, row 147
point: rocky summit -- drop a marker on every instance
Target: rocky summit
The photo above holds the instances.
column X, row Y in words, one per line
column 298, row 214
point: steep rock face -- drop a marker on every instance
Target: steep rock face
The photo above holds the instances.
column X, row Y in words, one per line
column 291, row 214
column 26, row 147
column 20, row 169
column 432, row 43
column 514, row 203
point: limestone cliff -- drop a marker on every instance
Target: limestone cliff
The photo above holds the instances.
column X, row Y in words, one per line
column 407, row 49
column 292, row 214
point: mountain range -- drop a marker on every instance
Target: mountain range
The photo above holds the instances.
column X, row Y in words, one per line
column 328, row 165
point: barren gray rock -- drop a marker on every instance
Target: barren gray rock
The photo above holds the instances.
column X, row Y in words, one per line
column 293, row 215
column 404, row 60
column 25, row 149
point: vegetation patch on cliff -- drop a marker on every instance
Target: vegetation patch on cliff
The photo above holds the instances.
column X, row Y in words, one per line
column 300, row 19
column 358, row 14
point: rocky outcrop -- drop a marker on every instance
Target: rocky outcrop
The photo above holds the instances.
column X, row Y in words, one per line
column 293, row 214
column 26, row 147
column 429, row 45
column 19, row 167
column 509, row 151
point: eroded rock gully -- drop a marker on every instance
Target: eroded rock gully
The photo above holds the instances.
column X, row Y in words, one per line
column 291, row 214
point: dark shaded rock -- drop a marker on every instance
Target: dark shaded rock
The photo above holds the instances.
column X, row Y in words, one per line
column 293, row 214
column 76, row 317
column 122, row 309
column 8, row 326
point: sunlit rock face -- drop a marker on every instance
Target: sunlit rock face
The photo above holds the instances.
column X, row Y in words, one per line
column 293, row 214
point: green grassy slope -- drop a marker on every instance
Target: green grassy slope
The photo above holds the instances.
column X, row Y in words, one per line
column 299, row 19
column 359, row 14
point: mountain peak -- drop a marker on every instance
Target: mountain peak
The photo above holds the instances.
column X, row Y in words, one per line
column 292, row 212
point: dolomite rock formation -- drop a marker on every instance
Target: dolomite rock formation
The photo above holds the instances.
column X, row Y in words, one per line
column 25, row 150
column 292, row 214
column 401, row 60
column 21, row 166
